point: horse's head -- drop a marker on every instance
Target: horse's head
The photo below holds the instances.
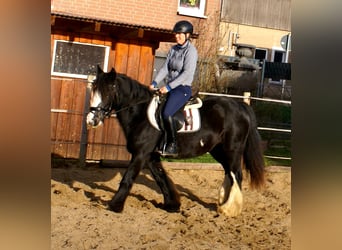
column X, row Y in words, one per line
column 101, row 97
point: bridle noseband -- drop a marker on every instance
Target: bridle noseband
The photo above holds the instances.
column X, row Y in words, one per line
column 106, row 112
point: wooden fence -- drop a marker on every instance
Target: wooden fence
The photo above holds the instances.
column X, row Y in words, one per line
column 69, row 136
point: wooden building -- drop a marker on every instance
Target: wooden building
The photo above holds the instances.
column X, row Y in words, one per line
column 128, row 49
column 119, row 34
column 125, row 34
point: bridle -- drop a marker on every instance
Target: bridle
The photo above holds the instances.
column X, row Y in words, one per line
column 108, row 111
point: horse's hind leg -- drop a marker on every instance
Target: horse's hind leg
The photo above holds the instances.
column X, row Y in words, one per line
column 171, row 196
column 133, row 169
column 230, row 195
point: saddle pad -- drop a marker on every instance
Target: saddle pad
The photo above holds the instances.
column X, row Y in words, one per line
column 193, row 113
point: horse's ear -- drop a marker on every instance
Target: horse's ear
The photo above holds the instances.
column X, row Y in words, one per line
column 113, row 74
column 98, row 69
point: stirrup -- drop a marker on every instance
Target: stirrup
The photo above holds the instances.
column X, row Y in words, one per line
column 166, row 154
column 170, row 150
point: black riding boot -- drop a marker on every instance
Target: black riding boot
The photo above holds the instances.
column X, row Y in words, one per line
column 171, row 132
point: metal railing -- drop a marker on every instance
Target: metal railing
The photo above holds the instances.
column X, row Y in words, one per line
column 247, row 98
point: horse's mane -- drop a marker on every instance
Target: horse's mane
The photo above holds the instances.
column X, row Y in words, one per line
column 126, row 88
column 132, row 89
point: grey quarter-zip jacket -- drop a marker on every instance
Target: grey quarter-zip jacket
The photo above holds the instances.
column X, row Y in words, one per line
column 179, row 67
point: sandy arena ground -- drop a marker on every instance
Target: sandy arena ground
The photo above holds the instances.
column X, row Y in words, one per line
column 81, row 220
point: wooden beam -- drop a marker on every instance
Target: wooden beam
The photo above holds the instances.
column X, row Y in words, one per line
column 53, row 19
column 97, row 26
column 140, row 33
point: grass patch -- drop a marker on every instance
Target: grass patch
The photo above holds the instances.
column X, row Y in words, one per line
column 277, row 162
column 272, row 113
column 207, row 158
column 275, row 115
column 278, row 148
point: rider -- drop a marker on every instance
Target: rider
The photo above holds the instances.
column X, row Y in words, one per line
column 178, row 70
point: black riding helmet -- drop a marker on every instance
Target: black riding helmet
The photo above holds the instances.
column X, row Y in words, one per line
column 183, row 27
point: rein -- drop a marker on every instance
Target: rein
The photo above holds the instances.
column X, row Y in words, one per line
column 108, row 112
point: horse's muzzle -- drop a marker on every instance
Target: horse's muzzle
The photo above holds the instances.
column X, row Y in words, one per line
column 92, row 120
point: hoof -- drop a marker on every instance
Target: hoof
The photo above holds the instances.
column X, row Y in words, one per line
column 115, row 207
column 171, row 208
column 230, row 210
column 233, row 206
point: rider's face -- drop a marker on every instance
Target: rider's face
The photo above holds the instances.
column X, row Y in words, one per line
column 180, row 38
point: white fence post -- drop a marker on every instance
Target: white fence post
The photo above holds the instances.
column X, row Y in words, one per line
column 247, row 98
column 84, row 132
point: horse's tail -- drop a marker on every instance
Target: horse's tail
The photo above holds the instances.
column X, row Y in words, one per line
column 253, row 154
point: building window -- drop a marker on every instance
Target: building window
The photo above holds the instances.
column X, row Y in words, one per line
column 260, row 54
column 191, row 7
column 78, row 60
column 277, row 56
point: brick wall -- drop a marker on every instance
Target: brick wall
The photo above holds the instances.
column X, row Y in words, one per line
column 154, row 13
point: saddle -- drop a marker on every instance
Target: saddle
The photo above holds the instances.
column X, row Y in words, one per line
column 187, row 118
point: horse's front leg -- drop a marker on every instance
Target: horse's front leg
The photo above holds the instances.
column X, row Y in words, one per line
column 133, row 169
column 167, row 187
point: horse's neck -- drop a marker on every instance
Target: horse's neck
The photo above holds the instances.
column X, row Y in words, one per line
column 131, row 116
column 129, row 91
column 134, row 100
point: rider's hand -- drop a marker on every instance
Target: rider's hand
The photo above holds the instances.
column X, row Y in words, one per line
column 153, row 85
column 165, row 89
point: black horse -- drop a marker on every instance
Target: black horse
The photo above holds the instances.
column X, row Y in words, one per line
column 228, row 131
